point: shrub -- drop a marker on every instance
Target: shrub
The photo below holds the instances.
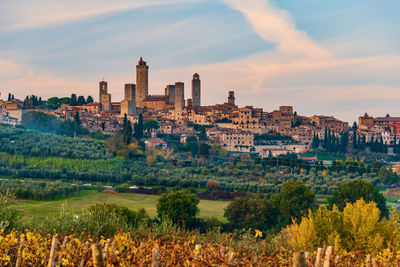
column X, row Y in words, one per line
column 178, row 206
column 357, row 227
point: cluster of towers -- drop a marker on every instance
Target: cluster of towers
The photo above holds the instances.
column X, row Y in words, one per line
column 137, row 98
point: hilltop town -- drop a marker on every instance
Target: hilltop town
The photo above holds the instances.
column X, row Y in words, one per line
column 236, row 129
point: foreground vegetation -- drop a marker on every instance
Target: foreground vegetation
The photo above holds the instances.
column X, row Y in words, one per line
column 76, row 204
column 358, row 235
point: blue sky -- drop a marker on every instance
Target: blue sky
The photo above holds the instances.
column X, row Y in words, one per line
column 337, row 58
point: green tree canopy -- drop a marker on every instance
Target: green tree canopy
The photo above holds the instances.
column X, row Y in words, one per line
column 245, row 212
column 150, row 125
column 293, row 201
column 352, row 191
column 178, row 206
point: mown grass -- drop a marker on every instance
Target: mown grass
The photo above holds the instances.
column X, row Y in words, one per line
column 323, row 155
column 76, row 203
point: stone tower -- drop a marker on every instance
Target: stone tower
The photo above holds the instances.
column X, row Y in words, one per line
column 196, row 93
column 104, row 97
column 231, row 98
column 142, row 82
column 170, row 93
column 179, row 99
column 128, row 105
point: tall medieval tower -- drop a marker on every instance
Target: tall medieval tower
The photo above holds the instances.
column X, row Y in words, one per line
column 128, row 105
column 142, row 82
column 196, row 94
column 179, row 99
column 231, row 98
column 104, row 97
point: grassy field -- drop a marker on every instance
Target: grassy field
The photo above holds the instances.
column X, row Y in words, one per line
column 323, row 155
column 31, row 208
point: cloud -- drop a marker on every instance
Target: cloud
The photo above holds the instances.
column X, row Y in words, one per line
column 32, row 14
column 277, row 26
column 22, row 80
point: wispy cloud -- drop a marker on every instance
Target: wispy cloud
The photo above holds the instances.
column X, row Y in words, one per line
column 277, row 26
column 31, row 14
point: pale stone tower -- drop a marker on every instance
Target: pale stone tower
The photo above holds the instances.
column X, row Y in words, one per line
column 142, row 82
column 196, row 93
column 170, row 92
column 231, row 98
column 179, row 99
column 105, row 102
column 104, row 97
column 128, row 105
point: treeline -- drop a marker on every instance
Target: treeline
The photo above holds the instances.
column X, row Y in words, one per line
column 37, row 190
column 74, row 100
column 36, row 102
column 54, row 163
column 331, row 142
column 294, row 201
column 43, row 122
column 227, row 177
column 35, row 144
column 260, row 139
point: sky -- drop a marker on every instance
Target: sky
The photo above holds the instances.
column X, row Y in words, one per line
column 338, row 58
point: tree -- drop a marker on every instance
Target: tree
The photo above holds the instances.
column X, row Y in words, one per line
column 293, row 201
column 178, row 206
column 77, row 121
column 89, row 99
column 81, row 100
column 192, row 145
column 138, row 128
column 9, row 97
column 315, row 142
column 357, row 228
column 126, row 130
column 150, row 125
column 40, row 121
column 203, row 134
column 352, row 191
column 204, row 149
column 255, row 213
column 73, row 101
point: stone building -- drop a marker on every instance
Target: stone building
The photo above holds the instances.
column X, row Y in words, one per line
column 104, row 97
column 128, row 105
column 179, row 99
column 231, row 98
column 241, row 141
column 329, row 122
column 366, row 121
column 170, row 92
column 286, row 110
column 155, row 102
column 189, row 103
column 142, row 82
column 196, row 93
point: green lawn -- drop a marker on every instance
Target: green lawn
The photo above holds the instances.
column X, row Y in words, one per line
column 31, row 208
column 323, row 155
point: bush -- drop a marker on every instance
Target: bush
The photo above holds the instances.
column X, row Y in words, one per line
column 9, row 218
column 178, row 206
column 357, row 228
